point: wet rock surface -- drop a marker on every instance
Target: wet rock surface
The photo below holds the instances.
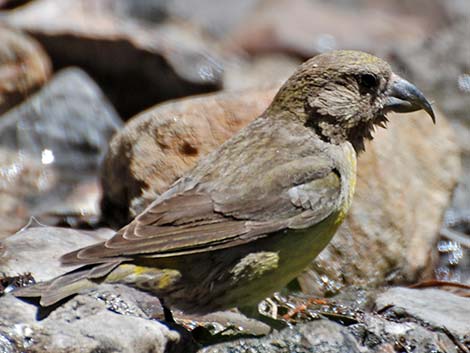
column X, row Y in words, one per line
column 24, row 67
column 406, row 320
column 317, row 336
column 434, row 307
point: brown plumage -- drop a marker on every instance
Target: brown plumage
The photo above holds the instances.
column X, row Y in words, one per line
column 255, row 212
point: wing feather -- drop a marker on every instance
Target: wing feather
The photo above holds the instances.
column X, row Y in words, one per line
column 198, row 220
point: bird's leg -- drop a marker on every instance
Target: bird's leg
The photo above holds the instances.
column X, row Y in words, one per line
column 167, row 313
column 252, row 312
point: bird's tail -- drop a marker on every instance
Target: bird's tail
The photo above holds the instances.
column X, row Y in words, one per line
column 78, row 281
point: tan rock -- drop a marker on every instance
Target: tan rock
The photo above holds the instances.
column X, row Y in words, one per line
column 405, row 180
column 159, row 145
column 24, row 67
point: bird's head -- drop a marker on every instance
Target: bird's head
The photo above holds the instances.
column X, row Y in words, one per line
column 343, row 94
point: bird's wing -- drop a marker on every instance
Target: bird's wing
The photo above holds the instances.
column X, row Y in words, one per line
column 293, row 195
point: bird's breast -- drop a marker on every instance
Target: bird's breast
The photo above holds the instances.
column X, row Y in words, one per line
column 348, row 180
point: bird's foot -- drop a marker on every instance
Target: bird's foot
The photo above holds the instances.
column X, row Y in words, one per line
column 299, row 309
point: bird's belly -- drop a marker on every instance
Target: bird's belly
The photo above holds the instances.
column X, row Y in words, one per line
column 278, row 263
column 235, row 277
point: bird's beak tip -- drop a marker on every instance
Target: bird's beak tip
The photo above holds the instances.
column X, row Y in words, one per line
column 431, row 114
column 404, row 97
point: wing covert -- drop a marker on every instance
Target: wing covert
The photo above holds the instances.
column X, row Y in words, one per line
column 294, row 195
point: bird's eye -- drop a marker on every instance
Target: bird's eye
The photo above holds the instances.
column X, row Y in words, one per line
column 368, row 81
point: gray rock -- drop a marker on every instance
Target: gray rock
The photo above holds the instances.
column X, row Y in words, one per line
column 113, row 318
column 377, row 334
column 58, row 136
column 217, row 17
column 317, row 336
column 432, row 306
column 119, row 318
column 70, row 117
column 384, row 332
column 37, row 250
column 126, row 300
column 81, row 325
column 25, row 250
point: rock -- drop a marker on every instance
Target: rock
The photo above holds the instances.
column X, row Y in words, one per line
column 22, row 176
column 406, row 320
column 21, row 252
column 387, row 231
column 456, row 10
column 10, row 4
column 82, row 325
column 379, row 334
column 24, row 67
column 317, row 336
column 446, row 56
column 432, row 14
column 305, row 28
column 217, row 17
column 20, row 256
column 436, row 308
column 13, row 214
column 69, row 117
column 262, row 71
column 441, row 66
column 138, row 63
column 156, row 147
column 53, row 143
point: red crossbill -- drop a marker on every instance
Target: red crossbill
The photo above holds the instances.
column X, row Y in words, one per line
column 255, row 212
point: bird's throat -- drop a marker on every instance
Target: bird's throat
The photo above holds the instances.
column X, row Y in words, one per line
column 332, row 130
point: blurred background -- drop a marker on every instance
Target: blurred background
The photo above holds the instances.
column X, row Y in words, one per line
column 73, row 71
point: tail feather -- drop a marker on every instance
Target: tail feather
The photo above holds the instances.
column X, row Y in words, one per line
column 69, row 284
column 34, row 290
column 55, row 294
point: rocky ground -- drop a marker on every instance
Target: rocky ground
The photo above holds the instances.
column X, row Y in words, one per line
column 75, row 73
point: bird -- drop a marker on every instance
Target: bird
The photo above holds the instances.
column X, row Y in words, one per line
column 254, row 213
